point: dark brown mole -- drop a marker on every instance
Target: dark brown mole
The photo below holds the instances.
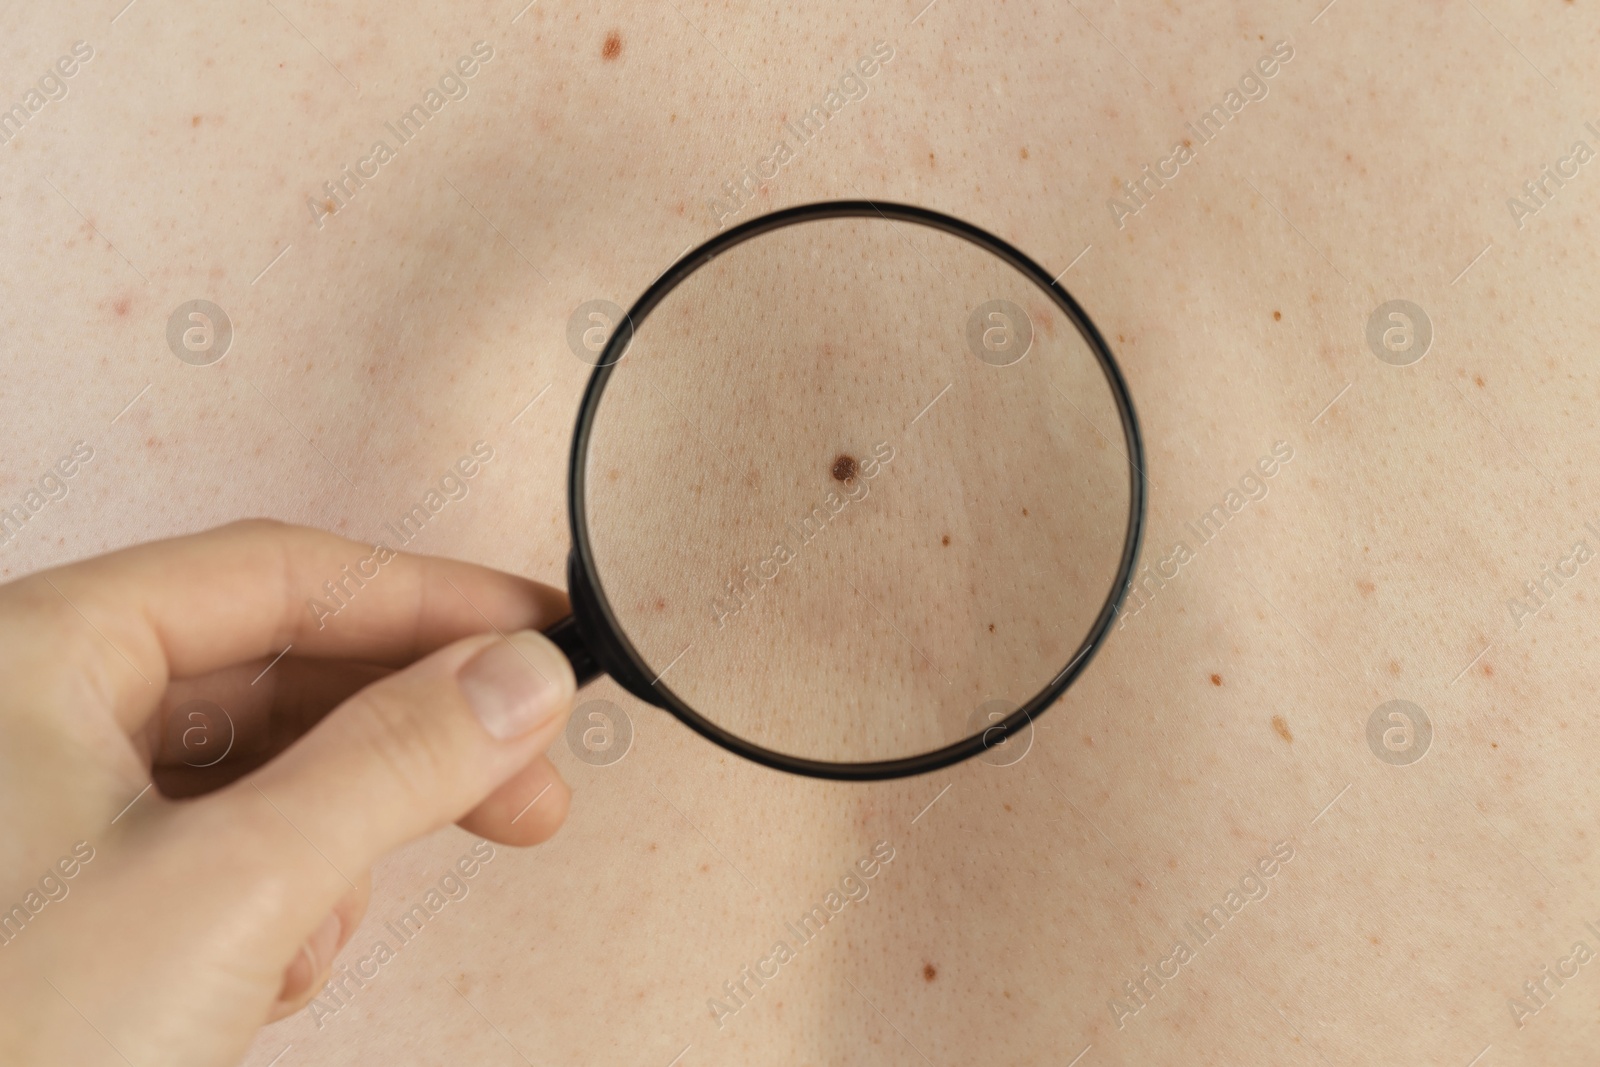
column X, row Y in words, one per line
column 844, row 467
column 1216, row 679
column 945, row 540
column 929, row 972
column 613, row 46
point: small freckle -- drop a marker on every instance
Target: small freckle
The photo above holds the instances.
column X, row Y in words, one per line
column 661, row 605
column 195, row 121
column 1494, row 744
column 613, row 46
column 1367, row 588
column 929, row 972
column 1478, row 380
column 1188, row 143
column 945, row 540
column 705, row 868
column 1282, row 727
column 1277, row 316
column 844, row 467
column 652, row 846
column 1216, row 679
column 1394, row 667
column 1024, row 512
column 1023, row 152
column 121, row 306
column 1488, row 671
column 1006, row 806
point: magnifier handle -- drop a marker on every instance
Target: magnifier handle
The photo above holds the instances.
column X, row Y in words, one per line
column 570, row 641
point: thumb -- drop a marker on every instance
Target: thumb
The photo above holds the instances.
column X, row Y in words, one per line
column 419, row 749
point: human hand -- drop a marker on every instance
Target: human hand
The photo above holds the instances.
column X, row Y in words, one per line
column 158, row 930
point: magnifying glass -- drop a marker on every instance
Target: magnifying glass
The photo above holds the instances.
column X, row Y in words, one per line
column 856, row 491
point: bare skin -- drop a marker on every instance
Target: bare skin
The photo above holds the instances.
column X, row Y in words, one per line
column 1227, row 716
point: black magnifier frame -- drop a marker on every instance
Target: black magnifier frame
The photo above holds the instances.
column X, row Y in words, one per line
column 595, row 642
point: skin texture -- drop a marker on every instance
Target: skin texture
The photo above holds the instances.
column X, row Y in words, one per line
column 1227, row 716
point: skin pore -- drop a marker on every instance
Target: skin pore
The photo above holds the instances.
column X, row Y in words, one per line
column 1417, row 912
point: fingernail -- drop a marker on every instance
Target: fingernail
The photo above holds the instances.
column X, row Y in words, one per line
column 507, row 691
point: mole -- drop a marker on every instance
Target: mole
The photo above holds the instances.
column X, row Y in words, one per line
column 1282, row 727
column 1277, row 316
column 945, row 540
column 844, row 467
column 613, row 46
column 929, row 972
column 1216, row 679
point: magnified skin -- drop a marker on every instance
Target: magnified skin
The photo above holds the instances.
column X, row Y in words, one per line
column 824, row 617
column 1376, row 563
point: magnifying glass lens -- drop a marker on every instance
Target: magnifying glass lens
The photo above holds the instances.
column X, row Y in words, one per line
column 854, row 484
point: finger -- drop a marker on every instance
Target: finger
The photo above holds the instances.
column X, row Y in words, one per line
column 212, row 730
column 312, row 965
column 415, row 751
column 527, row 810
column 122, row 624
